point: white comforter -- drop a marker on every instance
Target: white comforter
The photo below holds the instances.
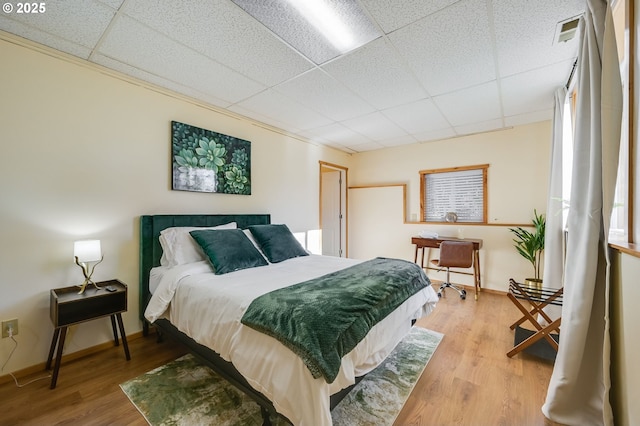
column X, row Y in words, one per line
column 209, row 307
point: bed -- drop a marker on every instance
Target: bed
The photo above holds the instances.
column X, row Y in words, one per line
column 174, row 296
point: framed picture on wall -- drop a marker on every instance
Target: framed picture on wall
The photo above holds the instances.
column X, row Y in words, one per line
column 206, row 161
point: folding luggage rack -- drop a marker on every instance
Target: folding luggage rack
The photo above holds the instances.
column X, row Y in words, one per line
column 538, row 298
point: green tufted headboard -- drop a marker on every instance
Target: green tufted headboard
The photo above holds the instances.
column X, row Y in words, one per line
column 151, row 252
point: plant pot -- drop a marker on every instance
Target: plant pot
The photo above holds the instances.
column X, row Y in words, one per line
column 533, row 285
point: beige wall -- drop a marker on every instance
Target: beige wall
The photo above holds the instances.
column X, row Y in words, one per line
column 84, row 154
column 625, row 318
column 518, row 161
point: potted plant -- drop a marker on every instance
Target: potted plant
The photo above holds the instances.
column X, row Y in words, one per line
column 531, row 245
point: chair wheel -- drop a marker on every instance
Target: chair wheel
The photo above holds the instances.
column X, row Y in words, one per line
column 463, row 296
column 439, row 295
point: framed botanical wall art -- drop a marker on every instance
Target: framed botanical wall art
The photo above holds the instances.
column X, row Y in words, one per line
column 207, row 161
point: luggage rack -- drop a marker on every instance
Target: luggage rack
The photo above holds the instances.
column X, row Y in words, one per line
column 538, row 298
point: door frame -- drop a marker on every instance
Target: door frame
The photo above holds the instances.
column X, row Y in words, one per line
column 344, row 209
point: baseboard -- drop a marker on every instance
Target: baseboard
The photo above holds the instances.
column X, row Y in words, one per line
column 38, row 368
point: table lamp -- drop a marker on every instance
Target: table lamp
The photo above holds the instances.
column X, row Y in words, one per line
column 86, row 252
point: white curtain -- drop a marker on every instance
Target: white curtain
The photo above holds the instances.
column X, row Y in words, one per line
column 578, row 392
column 554, row 232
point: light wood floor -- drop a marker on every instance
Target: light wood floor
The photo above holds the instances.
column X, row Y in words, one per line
column 469, row 380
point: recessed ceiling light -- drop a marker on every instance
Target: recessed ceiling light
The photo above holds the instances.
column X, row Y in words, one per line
column 319, row 29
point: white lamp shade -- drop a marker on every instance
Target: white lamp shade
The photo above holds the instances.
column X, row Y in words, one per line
column 87, row 250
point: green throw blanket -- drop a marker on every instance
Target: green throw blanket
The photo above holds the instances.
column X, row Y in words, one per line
column 323, row 319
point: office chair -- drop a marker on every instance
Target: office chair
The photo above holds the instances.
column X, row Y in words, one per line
column 454, row 254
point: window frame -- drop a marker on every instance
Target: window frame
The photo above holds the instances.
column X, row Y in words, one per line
column 423, row 189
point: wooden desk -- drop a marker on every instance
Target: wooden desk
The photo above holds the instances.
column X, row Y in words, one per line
column 429, row 243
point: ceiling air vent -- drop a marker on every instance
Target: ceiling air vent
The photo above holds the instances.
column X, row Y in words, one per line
column 566, row 30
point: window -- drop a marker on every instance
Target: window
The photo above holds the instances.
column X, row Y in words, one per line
column 457, row 194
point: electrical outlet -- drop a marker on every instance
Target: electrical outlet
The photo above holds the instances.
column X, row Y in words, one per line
column 13, row 324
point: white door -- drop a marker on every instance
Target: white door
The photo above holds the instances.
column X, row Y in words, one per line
column 332, row 211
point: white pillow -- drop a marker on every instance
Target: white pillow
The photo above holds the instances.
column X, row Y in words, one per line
column 178, row 247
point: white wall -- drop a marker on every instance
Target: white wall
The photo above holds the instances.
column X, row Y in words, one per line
column 518, row 161
column 84, row 154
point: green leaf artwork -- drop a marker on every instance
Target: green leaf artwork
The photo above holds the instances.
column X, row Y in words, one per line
column 206, row 161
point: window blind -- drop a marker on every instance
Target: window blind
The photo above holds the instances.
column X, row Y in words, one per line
column 459, row 192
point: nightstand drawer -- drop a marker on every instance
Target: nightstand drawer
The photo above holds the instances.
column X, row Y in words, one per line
column 68, row 307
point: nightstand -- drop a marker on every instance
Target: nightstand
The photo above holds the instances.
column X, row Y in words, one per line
column 68, row 308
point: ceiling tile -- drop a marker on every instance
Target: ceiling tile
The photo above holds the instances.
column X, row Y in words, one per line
column 321, row 31
column 277, row 106
column 375, row 72
column 222, row 31
column 135, row 44
column 528, row 118
column 335, row 133
column 435, row 135
column 533, row 90
column 446, row 60
column 485, row 126
column 418, row 117
column 113, row 3
column 31, row 33
column 472, row 105
column 159, row 81
column 323, row 94
column 525, row 33
column 375, row 126
column 403, row 140
column 367, row 146
column 394, row 14
column 74, row 22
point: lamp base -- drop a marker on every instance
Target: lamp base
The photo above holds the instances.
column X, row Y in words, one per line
column 87, row 272
column 84, row 285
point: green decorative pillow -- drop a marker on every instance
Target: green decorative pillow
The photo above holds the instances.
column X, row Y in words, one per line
column 228, row 249
column 277, row 242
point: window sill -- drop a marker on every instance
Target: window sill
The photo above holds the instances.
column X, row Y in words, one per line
column 631, row 249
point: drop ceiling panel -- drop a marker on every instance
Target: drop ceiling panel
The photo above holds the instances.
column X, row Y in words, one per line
column 485, row 126
column 279, row 107
column 418, row 117
column 376, row 73
column 135, row 44
column 528, row 118
column 445, row 59
column 434, row 135
column 159, row 81
column 323, row 94
column 394, row 14
column 228, row 36
column 533, row 90
column 34, row 34
column 525, row 33
column 472, row 105
column 64, row 24
column 335, row 133
column 375, row 126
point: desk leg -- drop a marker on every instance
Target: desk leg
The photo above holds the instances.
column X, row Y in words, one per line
column 124, row 336
column 56, row 368
column 54, row 341
column 476, row 272
column 115, row 333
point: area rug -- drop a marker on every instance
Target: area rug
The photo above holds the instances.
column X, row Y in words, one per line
column 185, row 392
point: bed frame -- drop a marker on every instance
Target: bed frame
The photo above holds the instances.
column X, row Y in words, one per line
column 150, row 254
